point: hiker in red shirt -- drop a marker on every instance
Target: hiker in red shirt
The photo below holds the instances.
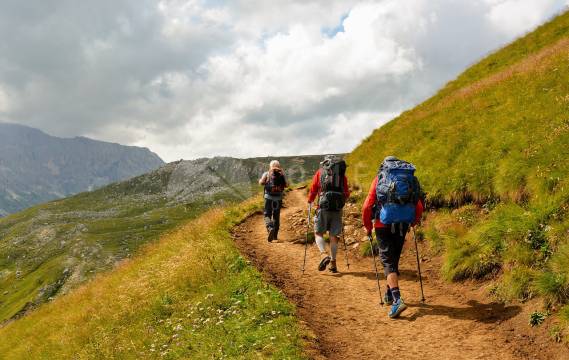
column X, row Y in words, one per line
column 394, row 174
column 331, row 186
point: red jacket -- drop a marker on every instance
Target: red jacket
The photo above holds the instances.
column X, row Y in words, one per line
column 367, row 213
column 315, row 188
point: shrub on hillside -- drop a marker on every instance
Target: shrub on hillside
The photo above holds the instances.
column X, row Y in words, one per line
column 553, row 284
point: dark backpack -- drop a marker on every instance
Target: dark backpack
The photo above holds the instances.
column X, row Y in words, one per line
column 398, row 191
column 276, row 182
column 332, row 174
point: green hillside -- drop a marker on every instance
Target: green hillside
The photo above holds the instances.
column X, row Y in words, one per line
column 492, row 151
column 51, row 248
column 190, row 296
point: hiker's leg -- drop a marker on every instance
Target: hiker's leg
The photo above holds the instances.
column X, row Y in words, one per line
column 385, row 247
column 335, row 227
column 319, row 229
column 333, row 247
column 268, row 213
column 319, row 238
column 385, row 251
column 393, row 280
column 277, row 217
column 395, row 248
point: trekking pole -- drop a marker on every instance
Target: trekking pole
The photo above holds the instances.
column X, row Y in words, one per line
column 370, row 238
column 306, row 241
column 345, row 245
column 418, row 265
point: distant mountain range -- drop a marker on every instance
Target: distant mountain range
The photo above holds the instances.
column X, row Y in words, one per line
column 36, row 167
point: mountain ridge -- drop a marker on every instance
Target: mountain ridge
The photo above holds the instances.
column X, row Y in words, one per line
column 36, row 167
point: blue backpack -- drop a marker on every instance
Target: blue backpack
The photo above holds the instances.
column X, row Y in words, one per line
column 398, row 191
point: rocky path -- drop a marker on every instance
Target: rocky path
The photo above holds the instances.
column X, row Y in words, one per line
column 343, row 310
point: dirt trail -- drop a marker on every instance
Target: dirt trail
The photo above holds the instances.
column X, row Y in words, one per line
column 343, row 310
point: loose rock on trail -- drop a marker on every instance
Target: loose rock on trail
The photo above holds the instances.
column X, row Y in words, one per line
column 343, row 311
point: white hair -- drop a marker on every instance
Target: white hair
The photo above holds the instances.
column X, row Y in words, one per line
column 275, row 164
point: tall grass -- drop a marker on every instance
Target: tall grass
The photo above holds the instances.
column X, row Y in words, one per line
column 191, row 295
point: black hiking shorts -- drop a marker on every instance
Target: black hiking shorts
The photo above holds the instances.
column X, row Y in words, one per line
column 390, row 247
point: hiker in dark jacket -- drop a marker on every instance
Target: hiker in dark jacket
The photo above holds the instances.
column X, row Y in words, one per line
column 275, row 183
column 390, row 238
column 329, row 180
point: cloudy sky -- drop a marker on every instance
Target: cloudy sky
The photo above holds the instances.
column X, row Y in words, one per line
column 195, row 78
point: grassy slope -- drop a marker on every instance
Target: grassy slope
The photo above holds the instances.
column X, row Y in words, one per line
column 493, row 145
column 191, row 295
column 51, row 248
column 84, row 234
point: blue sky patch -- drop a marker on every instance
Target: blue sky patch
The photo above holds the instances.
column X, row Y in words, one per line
column 331, row 32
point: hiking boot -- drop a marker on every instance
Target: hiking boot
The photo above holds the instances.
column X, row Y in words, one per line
column 388, row 298
column 397, row 308
column 271, row 234
column 324, row 263
column 333, row 269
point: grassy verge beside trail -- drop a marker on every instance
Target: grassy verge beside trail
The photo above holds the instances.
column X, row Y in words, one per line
column 190, row 295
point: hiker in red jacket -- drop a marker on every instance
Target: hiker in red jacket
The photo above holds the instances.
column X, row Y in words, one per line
column 331, row 186
column 390, row 237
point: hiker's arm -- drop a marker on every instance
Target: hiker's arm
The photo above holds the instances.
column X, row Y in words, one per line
column 368, row 207
column 314, row 188
column 346, row 188
column 418, row 212
column 263, row 179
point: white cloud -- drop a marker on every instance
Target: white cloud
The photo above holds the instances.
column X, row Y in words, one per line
column 514, row 17
column 194, row 78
